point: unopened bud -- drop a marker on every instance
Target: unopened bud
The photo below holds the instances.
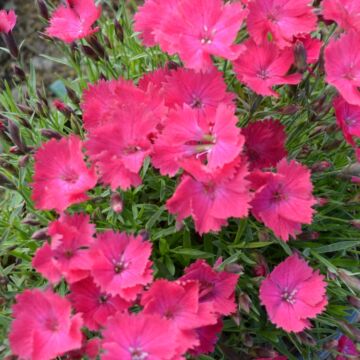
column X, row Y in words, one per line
column 41, row 234
column 43, row 9
column 19, row 73
column 306, row 339
column 119, row 31
column 354, row 301
column 320, row 201
column 88, row 51
column 97, row 47
column 261, row 268
column 329, row 345
column 51, row 134
column 63, row 108
column 11, row 44
column 355, row 223
column 248, row 341
column 15, row 136
column 172, row 65
column 349, row 280
column 72, row 96
column 144, row 234
column 290, row 110
column 116, row 203
column 234, row 268
column 310, row 235
column 30, row 219
column 24, row 160
column 244, row 303
column 320, row 166
column 300, row 55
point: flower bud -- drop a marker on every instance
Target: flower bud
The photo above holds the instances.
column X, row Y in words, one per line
column 73, row 96
column 97, row 47
column 63, row 108
column 144, row 234
column 261, row 268
column 119, row 31
column 30, row 219
column 234, row 268
column 11, row 44
column 244, row 303
column 306, row 339
column 355, row 223
column 172, row 65
column 354, row 301
column 15, row 136
column 320, row 201
column 329, row 345
column 51, row 134
column 300, row 55
column 43, row 9
column 116, row 203
column 349, row 280
column 24, row 160
column 320, row 166
column 290, row 110
column 41, row 234
column 88, row 51
column 310, row 235
column 19, row 72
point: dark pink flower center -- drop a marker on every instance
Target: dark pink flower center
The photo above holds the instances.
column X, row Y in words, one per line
column 119, row 267
column 131, row 149
column 207, row 35
column 205, row 288
column 68, row 254
column 289, row 296
column 52, row 324
column 262, row 74
column 169, row 314
column 70, row 176
column 138, row 354
column 103, row 298
column 196, row 103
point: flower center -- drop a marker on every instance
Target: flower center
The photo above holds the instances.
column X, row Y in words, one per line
column 207, row 35
column 119, row 267
column 52, row 324
column 131, row 149
column 289, row 296
column 138, row 354
column 168, row 314
column 262, row 74
column 68, row 254
column 70, row 176
column 196, row 103
column 103, row 298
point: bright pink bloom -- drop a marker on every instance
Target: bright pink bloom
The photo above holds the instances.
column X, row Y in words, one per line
column 345, row 12
column 312, row 47
column 199, row 90
column 216, row 287
column 347, row 348
column 61, row 175
column 280, row 20
column 342, row 66
column 348, row 119
column 211, row 196
column 264, row 143
column 198, row 29
column 74, row 20
column 120, row 264
column 284, row 200
column 142, row 336
column 188, row 134
column 208, row 337
column 7, row 21
column 150, row 18
column 179, row 303
column 94, row 305
column 261, row 67
column 292, row 294
column 43, row 327
column 154, row 80
column 274, row 358
column 68, row 254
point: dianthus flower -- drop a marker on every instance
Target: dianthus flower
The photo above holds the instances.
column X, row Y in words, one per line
column 345, row 12
column 264, row 143
column 67, row 255
column 179, row 303
column 215, row 139
column 292, row 294
column 120, row 264
column 347, row 349
column 348, row 119
column 342, row 66
column 263, row 66
column 142, row 336
column 216, row 287
column 74, row 20
column 280, row 20
column 7, row 21
column 94, row 305
column 61, row 176
column 211, row 196
column 43, row 327
column 283, row 200
column 197, row 29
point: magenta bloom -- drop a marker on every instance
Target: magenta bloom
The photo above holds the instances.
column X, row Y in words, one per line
column 67, row 256
column 261, row 67
column 280, row 20
column 201, row 91
column 74, row 20
column 187, row 134
column 347, row 348
column 216, row 287
column 293, row 293
column 284, row 200
column 179, row 303
column 345, row 12
column 142, row 336
column 211, row 196
column 94, row 305
column 7, row 21
column 61, row 175
column 264, row 143
column 198, row 29
column 43, row 327
column 120, row 264
column 342, row 66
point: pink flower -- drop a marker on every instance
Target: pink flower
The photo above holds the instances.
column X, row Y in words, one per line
column 43, row 327
column 179, row 303
column 292, row 294
column 345, row 12
column 208, row 337
column 94, row 305
column 211, row 196
column 280, row 20
column 120, row 264
column 216, row 287
column 347, row 348
column 283, row 200
column 348, row 119
column 261, row 67
column 142, row 336
column 74, row 20
column 214, row 138
column 201, row 91
column 342, row 66
column 198, row 29
column 7, row 21
column 61, row 175
column 150, row 18
column 67, row 255
column 264, row 143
